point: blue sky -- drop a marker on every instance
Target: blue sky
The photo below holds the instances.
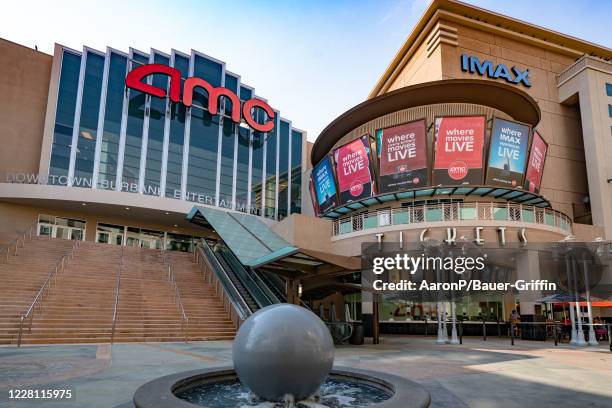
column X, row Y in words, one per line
column 312, row 60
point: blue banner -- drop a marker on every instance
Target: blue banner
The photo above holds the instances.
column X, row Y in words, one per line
column 507, row 154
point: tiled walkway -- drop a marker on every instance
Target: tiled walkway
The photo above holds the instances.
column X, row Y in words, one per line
column 475, row 374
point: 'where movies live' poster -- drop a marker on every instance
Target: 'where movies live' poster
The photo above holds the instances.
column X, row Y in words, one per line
column 459, row 147
column 354, row 171
column 535, row 165
column 402, row 154
column 507, row 154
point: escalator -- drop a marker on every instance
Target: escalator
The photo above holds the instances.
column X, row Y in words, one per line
column 253, row 290
column 273, row 282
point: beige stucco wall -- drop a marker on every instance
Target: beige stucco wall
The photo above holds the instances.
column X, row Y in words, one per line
column 24, row 85
column 305, row 232
column 565, row 179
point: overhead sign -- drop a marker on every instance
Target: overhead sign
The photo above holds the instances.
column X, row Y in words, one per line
column 324, row 185
column 402, row 155
column 459, row 146
column 514, row 75
column 134, row 80
column 507, row 153
column 535, row 165
column 353, row 170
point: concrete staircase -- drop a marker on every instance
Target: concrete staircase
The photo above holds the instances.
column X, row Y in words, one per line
column 21, row 279
column 81, row 303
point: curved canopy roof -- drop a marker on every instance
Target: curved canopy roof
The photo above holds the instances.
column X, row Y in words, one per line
column 506, row 98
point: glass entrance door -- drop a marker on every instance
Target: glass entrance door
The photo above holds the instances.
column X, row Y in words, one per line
column 62, row 228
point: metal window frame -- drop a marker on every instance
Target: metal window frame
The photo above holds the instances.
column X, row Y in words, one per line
column 290, row 144
column 185, row 164
column 77, row 118
column 236, row 135
column 101, row 115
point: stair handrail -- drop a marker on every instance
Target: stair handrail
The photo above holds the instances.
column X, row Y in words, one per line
column 239, row 306
column 178, row 300
column 117, row 288
column 15, row 241
column 46, row 286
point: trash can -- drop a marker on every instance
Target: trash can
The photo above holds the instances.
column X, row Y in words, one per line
column 357, row 336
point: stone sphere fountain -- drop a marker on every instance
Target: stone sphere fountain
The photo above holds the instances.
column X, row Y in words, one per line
column 283, row 357
column 288, row 343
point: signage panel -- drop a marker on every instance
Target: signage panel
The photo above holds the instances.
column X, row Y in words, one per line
column 354, row 170
column 324, row 185
column 459, row 147
column 402, row 157
column 535, row 165
column 507, row 154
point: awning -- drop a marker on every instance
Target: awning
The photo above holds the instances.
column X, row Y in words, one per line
column 256, row 245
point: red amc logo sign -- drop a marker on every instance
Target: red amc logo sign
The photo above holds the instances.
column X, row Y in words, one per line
column 134, row 80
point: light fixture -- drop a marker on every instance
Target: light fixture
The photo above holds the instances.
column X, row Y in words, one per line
column 87, row 135
column 83, row 204
column 175, row 226
column 167, row 213
column 127, row 208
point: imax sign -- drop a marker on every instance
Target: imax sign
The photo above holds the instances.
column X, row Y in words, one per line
column 473, row 65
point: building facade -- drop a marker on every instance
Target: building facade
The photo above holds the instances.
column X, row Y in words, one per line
column 483, row 130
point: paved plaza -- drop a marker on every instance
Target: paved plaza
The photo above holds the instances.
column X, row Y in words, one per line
column 476, row 374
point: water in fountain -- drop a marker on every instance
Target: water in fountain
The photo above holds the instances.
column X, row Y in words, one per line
column 333, row 394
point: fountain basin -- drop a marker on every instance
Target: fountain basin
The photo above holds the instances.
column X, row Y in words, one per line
column 162, row 392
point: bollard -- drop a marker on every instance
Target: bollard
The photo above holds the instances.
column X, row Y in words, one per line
column 425, row 325
column 555, row 333
column 610, row 335
column 484, row 330
column 461, row 331
column 512, row 333
column 498, row 328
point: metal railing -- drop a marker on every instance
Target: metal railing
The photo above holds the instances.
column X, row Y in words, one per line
column 213, row 273
column 37, row 303
column 117, row 288
column 461, row 211
column 178, row 301
column 15, row 242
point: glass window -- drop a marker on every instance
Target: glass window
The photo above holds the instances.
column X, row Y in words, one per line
column 271, row 151
column 610, row 110
column 257, row 142
column 179, row 242
column 155, row 140
column 296, row 172
column 133, row 135
column 109, row 234
column 228, row 141
column 204, row 137
column 231, row 83
column 88, row 123
column 64, row 118
column 608, row 89
column 178, row 112
column 109, row 150
column 283, row 170
column 242, row 172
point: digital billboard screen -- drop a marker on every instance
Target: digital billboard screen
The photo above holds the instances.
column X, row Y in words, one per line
column 354, row 170
column 507, row 154
column 535, row 165
column 459, row 147
column 324, row 185
column 402, row 155
column 313, row 196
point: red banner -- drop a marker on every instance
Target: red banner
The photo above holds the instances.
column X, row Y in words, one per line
column 402, row 157
column 353, row 170
column 459, row 148
column 535, row 166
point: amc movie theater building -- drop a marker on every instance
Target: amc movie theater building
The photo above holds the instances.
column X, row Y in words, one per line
column 482, row 129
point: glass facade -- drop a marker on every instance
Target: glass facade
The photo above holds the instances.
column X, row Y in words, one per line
column 111, row 131
column 109, row 137
column 88, row 120
column 155, row 121
column 64, row 118
column 295, row 206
